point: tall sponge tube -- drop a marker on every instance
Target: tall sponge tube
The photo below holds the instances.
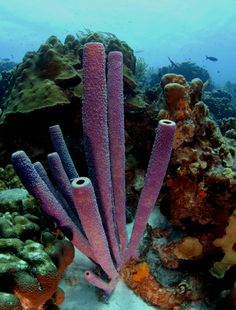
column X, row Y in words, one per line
column 156, row 171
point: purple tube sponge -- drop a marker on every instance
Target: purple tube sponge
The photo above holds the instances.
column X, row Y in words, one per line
column 49, row 204
column 93, row 279
column 92, row 213
column 117, row 141
column 86, row 206
column 156, row 171
column 44, row 176
column 60, row 177
column 60, row 147
column 63, row 185
column 95, row 130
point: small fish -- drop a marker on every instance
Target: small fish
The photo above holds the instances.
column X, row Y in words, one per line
column 139, row 51
column 211, row 58
column 6, row 59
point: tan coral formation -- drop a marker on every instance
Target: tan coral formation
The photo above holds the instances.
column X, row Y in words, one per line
column 188, row 248
column 176, row 91
column 201, row 184
column 196, row 88
column 228, row 245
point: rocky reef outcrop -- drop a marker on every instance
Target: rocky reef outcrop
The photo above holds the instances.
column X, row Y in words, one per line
column 33, row 254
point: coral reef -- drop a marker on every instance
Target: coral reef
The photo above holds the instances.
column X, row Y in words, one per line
column 198, row 196
column 42, row 77
column 188, row 69
column 6, row 65
column 32, row 256
column 47, row 85
column 6, row 82
column 199, row 192
column 92, row 212
column 220, row 104
column 52, row 76
column 231, row 89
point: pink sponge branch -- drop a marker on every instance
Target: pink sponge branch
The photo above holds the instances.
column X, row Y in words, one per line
column 107, row 287
column 63, row 185
column 60, row 147
column 156, row 171
column 86, row 206
column 60, row 177
column 94, row 116
column 117, row 141
column 49, row 204
column 44, row 176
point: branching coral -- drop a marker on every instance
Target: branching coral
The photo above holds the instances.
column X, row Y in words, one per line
column 92, row 213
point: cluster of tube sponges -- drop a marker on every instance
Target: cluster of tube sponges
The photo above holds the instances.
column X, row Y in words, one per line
column 91, row 211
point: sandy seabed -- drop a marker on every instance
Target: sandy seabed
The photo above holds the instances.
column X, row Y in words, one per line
column 80, row 295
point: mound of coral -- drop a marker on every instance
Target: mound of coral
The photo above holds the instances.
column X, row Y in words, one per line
column 48, row 85
column 52, row 75
column 33, row 254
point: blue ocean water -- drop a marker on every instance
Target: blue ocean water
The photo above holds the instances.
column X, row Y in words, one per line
column 155, row 29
